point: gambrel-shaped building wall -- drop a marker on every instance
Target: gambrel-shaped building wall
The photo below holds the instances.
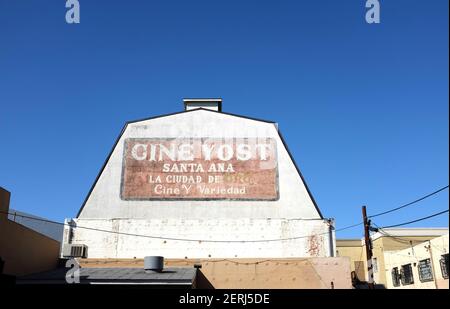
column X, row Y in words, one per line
column 200, row 183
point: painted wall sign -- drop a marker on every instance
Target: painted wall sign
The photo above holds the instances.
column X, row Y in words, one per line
column 199, row 169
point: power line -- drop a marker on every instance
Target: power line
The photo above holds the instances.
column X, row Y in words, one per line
column 417, row 220
column 410, row 203
column 405, row 241
column 280, row 261
column 348, row 227
column 398, row 239
column 177, row 239
column 409, row 242
column 239, row 241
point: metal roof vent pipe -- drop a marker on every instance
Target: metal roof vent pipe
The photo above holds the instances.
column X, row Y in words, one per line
column 154, row 263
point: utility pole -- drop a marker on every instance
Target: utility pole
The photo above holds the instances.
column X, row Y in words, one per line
column 368, row 247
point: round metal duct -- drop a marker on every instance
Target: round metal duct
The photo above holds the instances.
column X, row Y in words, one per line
column 154, row 263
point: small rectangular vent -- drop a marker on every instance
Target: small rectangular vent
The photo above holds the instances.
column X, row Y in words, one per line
column 75, row 251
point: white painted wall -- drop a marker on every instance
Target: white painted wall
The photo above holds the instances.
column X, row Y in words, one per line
column 220, row 219
column 118, row 245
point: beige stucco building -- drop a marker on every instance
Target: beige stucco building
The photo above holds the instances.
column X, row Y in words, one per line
column 385, row 245
column 423, row 266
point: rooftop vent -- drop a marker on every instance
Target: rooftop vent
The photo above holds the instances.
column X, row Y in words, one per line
column 154, row 263
column 211, row 104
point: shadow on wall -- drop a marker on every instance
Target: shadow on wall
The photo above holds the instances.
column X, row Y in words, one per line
column 364, row 285
column 202, row 282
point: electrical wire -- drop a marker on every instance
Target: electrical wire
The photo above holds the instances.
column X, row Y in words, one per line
column 177, row 239
column 350, row 226
column 244, row 241
column 405, row 241
column 417, row 220
column 401, row 240
column 409, row 204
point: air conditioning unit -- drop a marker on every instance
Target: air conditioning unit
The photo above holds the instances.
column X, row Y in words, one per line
column 72, row 250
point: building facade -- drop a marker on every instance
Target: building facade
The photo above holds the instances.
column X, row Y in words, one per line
column 23, row 250
column 422, row 266
column 385, row 246
column 200, row 184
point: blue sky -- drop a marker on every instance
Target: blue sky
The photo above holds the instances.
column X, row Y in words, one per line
column 363, row 108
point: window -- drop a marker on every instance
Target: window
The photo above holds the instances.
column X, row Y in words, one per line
column 444, row 266
column 425, row 271
column 395, row 277
column 406, row 275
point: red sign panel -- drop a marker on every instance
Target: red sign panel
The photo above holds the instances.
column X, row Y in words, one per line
column 199, row 169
